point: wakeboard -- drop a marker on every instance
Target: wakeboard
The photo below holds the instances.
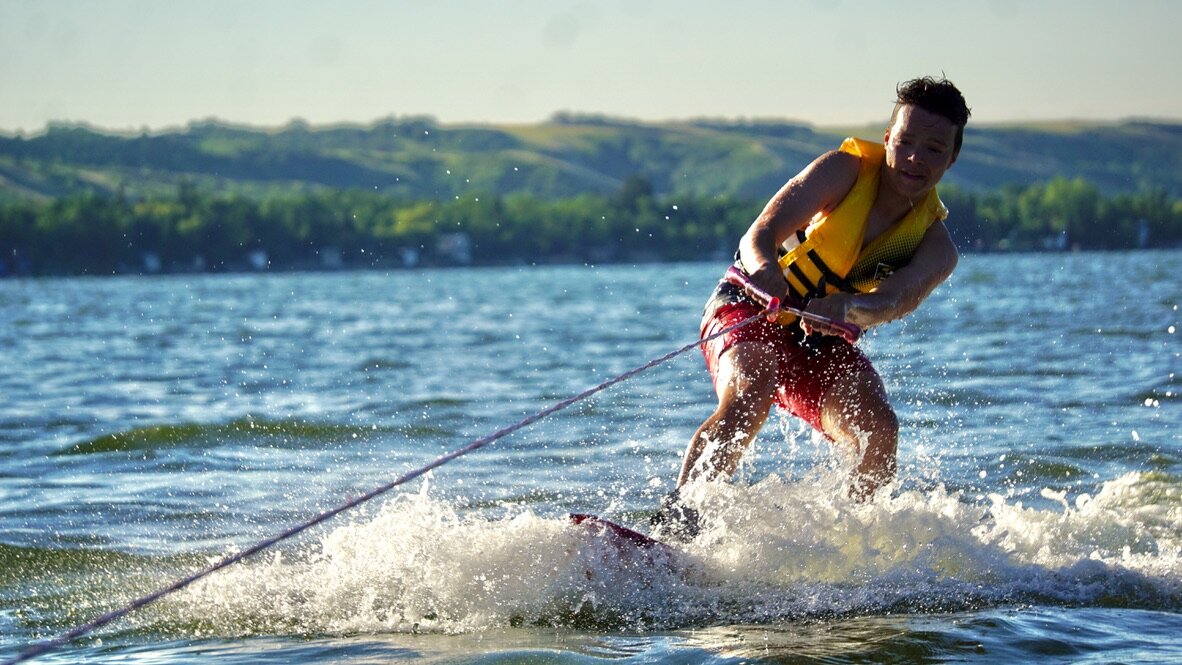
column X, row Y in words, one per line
column 624, row 540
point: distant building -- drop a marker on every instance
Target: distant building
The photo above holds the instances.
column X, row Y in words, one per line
column 151, row 262
column 410, row 257
column 1057, row 242
column 455, row 246
column 258, row 259
column 330, row 258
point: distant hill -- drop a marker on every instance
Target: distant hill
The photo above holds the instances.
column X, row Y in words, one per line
column 568, row 155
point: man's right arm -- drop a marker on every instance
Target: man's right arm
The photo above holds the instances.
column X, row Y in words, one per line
column 819, row 187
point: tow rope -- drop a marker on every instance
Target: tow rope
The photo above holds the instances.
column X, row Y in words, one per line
column 734, row 276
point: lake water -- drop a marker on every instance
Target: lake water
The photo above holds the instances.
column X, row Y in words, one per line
column 149, row 426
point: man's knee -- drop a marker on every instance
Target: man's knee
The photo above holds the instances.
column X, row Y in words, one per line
column 748, row 374
column 859, row 404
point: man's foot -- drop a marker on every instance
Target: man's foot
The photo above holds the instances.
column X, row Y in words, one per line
column 674, row 520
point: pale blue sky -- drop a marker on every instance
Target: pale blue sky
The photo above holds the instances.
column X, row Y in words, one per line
column 130, row 64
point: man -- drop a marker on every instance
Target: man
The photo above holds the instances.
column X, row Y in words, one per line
column 859, row 236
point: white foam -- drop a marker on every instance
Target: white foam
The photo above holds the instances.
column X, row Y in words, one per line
column 773, row 550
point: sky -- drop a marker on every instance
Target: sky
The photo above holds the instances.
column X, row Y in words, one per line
column 133, row 65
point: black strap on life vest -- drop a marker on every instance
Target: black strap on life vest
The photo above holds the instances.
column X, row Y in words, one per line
column 827, row 275
column 810, row 289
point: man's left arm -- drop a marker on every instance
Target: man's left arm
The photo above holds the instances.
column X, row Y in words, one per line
column 898, row 295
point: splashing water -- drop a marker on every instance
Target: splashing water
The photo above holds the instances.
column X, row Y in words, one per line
column 773, row 551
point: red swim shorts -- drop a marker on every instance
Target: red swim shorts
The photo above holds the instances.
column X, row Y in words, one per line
column 808, row 365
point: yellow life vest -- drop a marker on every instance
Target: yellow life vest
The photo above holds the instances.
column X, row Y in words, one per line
column 827, row 256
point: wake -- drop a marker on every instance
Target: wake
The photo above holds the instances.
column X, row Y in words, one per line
column 779, row 550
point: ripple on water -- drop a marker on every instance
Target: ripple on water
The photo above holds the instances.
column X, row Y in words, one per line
column 266, row 433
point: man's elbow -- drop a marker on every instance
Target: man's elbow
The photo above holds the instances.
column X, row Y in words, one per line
column 952, row 258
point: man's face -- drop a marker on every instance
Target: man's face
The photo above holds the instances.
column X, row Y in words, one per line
column 919, row 149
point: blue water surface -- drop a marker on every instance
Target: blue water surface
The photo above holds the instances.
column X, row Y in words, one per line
column 150, row 426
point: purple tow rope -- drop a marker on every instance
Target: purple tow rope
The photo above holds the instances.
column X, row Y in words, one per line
column 60, row 641
column 848, row 331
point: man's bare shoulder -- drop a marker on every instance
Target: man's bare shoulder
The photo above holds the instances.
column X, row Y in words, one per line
column 833, row 175
column 837, row 159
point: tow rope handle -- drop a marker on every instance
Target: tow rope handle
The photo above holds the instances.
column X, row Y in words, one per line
column 848, row 331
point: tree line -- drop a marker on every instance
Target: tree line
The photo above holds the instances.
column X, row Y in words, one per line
column 196, row 230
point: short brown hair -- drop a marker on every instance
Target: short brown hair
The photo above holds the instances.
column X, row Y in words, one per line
column 937, row 96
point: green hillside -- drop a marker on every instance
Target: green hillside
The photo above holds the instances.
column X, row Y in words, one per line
column 417, row 158
column 407, row 192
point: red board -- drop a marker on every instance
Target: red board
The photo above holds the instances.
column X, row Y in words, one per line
column 620, row 536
